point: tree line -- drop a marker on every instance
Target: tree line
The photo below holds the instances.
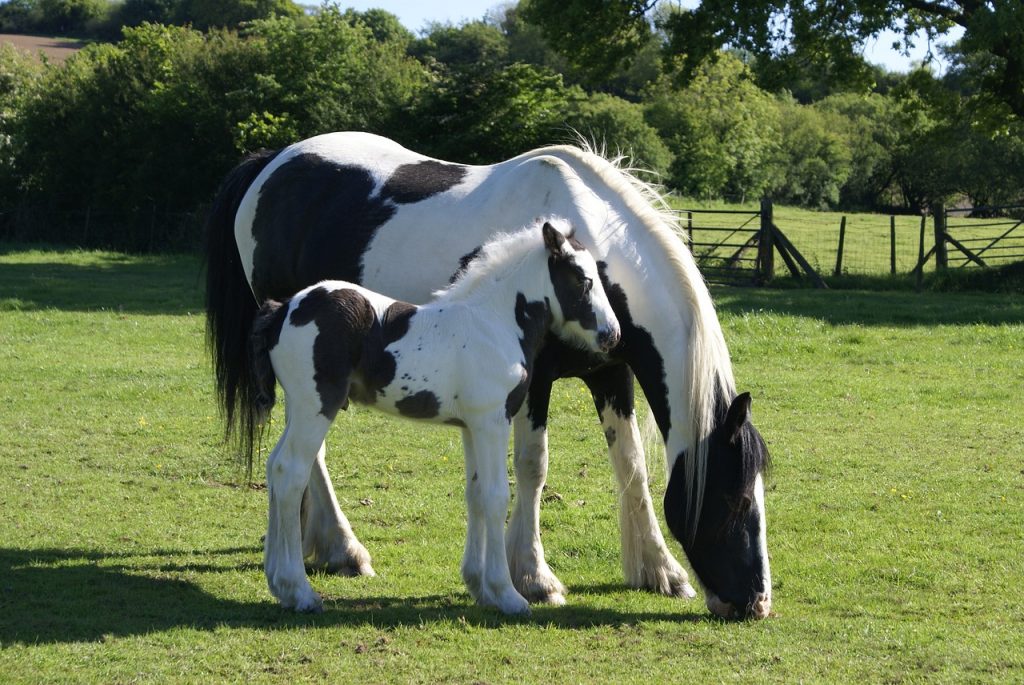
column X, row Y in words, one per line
column 155, row 118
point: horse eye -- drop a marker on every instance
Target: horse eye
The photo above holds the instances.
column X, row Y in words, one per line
column 588, row 284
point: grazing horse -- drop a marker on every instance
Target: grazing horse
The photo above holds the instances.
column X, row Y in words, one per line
column 463, row 359
column 362, row 208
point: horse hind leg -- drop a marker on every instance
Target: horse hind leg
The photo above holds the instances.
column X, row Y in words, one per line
column 646, row 560
column 328, row 542
column 531, row 575
column 288, row 471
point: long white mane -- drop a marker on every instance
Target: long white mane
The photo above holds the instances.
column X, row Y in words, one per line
column 707, row 365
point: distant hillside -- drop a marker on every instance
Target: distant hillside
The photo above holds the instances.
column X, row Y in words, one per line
column 56, row 49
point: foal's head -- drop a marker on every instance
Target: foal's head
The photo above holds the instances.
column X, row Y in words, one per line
column 580, row 310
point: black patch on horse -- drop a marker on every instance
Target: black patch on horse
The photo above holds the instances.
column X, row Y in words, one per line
column 416, row 182
column 534, row 319
column 314, row 220
column 570, row 284
column 396, row 321
column 638, row 350
column 349, row 355
column 421, row 405
column 464, row 262
column 345, row 322
column 612, row 386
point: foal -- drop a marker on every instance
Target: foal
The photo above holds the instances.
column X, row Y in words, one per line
column 463, row 359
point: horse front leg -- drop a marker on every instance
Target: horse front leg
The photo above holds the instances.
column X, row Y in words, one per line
column 530, row 572
column 646, row 560
column 485, row 565
column 327, row 539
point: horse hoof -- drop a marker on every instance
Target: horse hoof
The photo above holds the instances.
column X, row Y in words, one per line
column 517, row 606
column 550, row 592
column 350, row 569
column 312, row 605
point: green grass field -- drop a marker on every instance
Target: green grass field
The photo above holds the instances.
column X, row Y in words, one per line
column 130, row 553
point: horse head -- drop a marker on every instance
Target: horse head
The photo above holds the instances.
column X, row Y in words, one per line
column 580, row 308
column 725, row 541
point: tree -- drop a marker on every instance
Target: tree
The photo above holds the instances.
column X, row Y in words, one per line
column 597, row 37
column 829, row 34
column 868, row 125
column 814, row 160
column 485, row 115
column 722, row 130
column 618, row 126
column 206, row 14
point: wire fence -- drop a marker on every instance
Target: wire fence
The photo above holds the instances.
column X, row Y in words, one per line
column 142, row 230
column 862, row 244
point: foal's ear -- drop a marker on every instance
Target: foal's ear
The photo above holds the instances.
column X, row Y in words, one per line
column 738, row 414
column 553, row 239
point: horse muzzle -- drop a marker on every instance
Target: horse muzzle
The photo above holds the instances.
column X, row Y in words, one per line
column 759, row 607
column 608, row 338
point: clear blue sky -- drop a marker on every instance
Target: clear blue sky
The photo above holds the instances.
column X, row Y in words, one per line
column 416, row 14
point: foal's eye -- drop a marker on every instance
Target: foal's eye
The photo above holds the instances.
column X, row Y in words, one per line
column 586, row 284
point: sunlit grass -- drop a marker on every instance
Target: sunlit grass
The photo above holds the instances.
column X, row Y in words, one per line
column 131, row 546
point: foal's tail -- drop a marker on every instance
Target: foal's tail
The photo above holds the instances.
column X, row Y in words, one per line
column 266, row 329
column 230, row 305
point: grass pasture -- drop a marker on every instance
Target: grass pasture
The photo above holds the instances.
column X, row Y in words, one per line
column 130, row 553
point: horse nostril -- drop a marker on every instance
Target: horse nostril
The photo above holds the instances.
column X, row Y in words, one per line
column 609, row 338
column 760, row 607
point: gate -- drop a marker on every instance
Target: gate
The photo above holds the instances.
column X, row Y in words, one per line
column 737, row 247
column 995, row 239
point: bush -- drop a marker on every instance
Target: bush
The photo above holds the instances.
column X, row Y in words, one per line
column 619, row 127
column 154, row 122
column 722, row 131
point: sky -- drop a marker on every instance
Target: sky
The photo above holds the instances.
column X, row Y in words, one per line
column 417, row 14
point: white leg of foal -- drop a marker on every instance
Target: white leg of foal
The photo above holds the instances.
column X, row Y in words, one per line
column 646, row 561
column 489, row 483
column 327, row 538
column 288, row 471
column 473, row 555
column 530, row 572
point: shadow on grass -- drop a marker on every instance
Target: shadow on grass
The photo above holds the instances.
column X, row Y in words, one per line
column 103, row 281
column 55, row 596
column 875, row 308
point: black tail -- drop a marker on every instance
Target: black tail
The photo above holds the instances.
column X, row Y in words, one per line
column 266, row 329
column 230, row 305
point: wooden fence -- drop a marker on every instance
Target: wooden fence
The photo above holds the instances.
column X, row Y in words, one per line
column 738, row 247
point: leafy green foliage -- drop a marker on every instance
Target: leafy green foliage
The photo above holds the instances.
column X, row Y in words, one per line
column 493, row 111
column 595, row 37
column 721, row 130
column 815, row 157
column 618, row 126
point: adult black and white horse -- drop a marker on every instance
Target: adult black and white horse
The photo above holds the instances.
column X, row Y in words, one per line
column 462, row 359
column 362, row 208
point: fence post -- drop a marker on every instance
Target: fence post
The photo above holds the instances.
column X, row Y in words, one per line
column 689, row 229
column 765, row 243
column 941, row 257
column 920, row 255
column 892, row 244
column 839, row 251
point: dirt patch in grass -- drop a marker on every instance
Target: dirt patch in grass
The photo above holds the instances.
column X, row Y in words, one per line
column 56, row 49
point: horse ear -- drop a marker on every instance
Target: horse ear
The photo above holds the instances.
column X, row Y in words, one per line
column 553, row 239
column 738, row 414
